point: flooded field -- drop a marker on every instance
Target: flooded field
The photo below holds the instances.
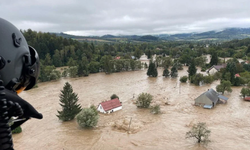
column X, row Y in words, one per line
column 229, row 123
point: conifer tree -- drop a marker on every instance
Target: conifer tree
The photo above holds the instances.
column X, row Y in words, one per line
column 214, row 59
column 191, row 69
column 152, row 70
column 165, row 72
column 68, row 101
column 174, row 71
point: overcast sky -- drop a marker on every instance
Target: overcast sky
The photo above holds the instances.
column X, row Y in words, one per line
column 126, row 17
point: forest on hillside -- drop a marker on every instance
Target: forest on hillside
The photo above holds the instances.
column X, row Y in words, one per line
column 83, row 58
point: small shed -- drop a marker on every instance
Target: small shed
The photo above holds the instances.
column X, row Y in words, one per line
column 110, row 106
column 209, row 99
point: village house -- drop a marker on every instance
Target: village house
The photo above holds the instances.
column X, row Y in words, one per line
column 110, row 106
column 209, row 99
column 215, row 68
column 247, row 98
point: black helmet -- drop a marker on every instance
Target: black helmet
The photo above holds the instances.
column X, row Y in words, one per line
column 19, row 63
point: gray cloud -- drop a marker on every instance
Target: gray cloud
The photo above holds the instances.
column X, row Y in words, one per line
column 98, row 17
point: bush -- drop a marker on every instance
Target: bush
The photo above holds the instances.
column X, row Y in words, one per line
column 183, row 79
column 17, row 130
column 197, row 78
column 88, row 117
column 203, row 69
column 245, row 92
column 156, row 109
column 217, row 76
column 55, row 75
column 114, row 96
column 73, row 72
column 65, row 72
column 144, row 100
column 208, row 79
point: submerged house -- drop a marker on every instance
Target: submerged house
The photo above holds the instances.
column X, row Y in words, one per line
column 216, row 68
column 110, row 106
column 209, row 99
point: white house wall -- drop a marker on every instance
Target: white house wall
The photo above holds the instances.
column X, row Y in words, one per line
column 212, row 71
column 100, row 109
column 117, row 108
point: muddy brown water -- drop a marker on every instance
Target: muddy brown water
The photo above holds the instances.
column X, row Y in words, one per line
column 229, row 123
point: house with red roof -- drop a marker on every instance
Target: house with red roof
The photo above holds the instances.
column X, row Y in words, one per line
column 237, row 75
column 110, row 106
column 247, row 98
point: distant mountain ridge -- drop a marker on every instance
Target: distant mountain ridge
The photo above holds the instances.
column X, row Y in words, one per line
column 223, row 35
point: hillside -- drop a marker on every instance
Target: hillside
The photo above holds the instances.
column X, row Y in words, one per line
column 224, row 35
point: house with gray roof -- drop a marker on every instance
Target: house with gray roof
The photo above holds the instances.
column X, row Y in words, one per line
column 209, row 99
column 216, row 68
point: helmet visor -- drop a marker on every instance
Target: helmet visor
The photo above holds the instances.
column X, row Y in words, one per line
column 30, row 72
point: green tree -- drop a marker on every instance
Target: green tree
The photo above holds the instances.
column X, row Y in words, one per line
column 65, row 72
column 200, row 61
column 68, row 101
column 208, row 79
column 57, row 59
column 114, row 96
column 217, row 76
column 248, row 50
column 88, row 117
column 197, row 78
column 71, row 62
column 152, row 70
column 106, row 64
column 184, row 79
column 214, row 59
column 48, row 73
column 166, row 62
column 94, row 67
column 191, row 69
column 144, row 100
column 237, row 81
column 47, row 60
column 224, row 86
column 55, row 75
column 156, row 109
column 245, row 92
column 138, row 52
column 199, row 132
column 72, row 72
column 165, row 72
column 185, row 59
column 231, row 68
column 132, row 64
column 82, row 67
column 174, row 71
column 149, row 53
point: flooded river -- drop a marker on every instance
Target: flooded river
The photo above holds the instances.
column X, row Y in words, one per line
column 229, row 123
